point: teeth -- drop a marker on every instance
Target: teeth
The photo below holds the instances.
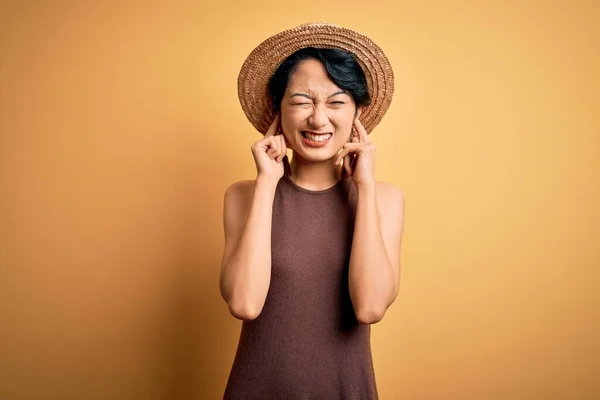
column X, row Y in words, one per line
column 317, row 138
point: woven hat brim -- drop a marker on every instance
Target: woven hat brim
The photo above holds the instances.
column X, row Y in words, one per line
column 262, row 62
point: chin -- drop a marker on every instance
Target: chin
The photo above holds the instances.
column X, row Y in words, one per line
column 317, row 155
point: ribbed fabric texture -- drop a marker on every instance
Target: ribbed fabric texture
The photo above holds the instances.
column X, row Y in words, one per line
column 306, row 343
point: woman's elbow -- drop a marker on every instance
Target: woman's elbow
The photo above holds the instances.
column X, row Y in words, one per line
column 370, row 315
column 243, row 311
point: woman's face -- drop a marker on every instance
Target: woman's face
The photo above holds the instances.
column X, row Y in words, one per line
column 316, row 115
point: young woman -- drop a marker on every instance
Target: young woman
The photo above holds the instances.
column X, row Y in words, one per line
column 312, row 246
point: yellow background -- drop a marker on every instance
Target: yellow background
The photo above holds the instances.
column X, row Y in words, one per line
column 120, row 130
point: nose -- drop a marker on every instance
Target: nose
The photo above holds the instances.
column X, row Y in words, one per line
column 318, row 118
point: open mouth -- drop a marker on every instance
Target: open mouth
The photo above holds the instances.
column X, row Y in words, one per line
column 316, row 137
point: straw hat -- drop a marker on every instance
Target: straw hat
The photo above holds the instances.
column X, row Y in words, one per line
column 262, row 62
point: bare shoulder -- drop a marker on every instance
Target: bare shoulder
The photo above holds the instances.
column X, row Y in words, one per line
column 240, row 188
column 390, row 205
column 389, row 196
column 239, row 195
column 236, row 206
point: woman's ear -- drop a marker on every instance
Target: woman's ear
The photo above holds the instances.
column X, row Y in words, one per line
column 358, row 112
column 353, row 134
column 287, row 142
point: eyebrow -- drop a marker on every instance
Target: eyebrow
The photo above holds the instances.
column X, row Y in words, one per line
column 308, row 97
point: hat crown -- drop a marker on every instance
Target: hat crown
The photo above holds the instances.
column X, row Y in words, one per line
column 318, row 24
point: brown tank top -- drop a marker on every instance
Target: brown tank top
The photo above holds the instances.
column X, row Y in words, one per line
column 306, row 343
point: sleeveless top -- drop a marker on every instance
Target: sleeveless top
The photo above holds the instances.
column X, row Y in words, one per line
column 307, row 344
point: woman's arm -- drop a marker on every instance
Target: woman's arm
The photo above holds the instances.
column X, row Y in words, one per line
column 374, row 275
column 247, row 215
column 246, row 264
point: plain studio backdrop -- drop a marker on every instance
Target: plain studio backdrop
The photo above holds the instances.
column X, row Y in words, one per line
column 121, row 129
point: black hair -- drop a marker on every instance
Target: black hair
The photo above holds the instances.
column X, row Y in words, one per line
column 341, row 66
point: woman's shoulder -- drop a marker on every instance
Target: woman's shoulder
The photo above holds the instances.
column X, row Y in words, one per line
column 238, row 199
column 389, row 196
column 240, row 190
column 241, row 186
column 389, row 190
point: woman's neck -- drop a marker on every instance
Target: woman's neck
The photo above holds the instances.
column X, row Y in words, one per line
column 314, row 175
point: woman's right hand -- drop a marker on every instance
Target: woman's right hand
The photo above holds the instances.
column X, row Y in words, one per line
column 268, row 153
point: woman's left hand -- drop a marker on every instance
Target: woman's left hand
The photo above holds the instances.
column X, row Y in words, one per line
column 359, row 156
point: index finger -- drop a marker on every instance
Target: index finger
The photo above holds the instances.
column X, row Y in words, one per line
column 362, row 133
column 274, row 127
